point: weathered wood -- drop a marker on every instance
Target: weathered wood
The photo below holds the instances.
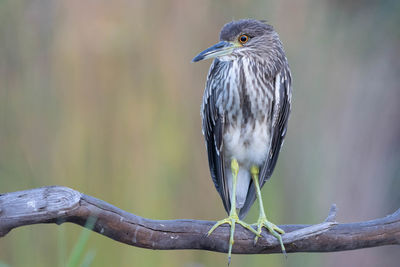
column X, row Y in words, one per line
column 55, row 204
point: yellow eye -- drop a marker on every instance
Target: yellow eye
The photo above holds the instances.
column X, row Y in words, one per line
column 243, row 39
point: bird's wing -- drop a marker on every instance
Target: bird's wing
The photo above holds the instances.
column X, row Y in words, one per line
column 213, row 127
column 281, row 107
column 281, row 110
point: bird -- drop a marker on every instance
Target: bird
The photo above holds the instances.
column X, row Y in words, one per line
column 245, row 112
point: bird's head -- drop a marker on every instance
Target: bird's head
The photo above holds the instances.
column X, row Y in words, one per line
column 246, row 37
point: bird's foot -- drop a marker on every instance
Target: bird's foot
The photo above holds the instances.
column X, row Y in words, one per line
column 232, row 220
column 272, row 228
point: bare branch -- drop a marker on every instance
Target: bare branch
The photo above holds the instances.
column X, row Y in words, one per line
column 57, row 204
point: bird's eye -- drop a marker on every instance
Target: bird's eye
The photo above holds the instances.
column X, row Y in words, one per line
column 243, row 38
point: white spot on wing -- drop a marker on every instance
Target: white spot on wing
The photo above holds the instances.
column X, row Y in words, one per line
column 277, row 96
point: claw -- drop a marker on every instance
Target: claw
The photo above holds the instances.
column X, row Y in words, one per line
column 232, row 220
column 273, row 229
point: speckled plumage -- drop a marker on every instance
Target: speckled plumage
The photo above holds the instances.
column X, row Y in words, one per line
column 245, row 109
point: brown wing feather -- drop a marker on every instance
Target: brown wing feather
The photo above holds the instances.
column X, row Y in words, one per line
column 213, row 128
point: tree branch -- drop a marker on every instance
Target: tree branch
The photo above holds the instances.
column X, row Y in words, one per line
column 55, row 204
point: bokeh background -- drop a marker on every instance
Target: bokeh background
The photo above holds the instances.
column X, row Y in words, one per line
column 101, row 96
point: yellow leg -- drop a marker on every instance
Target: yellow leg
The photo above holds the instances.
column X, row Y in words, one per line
column 233, row 217
column 262, row 219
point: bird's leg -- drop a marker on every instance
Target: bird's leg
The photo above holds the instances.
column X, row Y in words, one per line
column 233, row 217
column 262, row 219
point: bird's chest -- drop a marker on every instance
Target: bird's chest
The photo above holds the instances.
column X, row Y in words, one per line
column 247, row 128
column 245, row 104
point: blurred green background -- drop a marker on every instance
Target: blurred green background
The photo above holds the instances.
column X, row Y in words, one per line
column 101, row 96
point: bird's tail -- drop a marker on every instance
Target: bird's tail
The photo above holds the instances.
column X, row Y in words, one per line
column 242, row 186
column 251, row 197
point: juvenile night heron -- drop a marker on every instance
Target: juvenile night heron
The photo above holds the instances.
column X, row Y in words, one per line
column 245, row 110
